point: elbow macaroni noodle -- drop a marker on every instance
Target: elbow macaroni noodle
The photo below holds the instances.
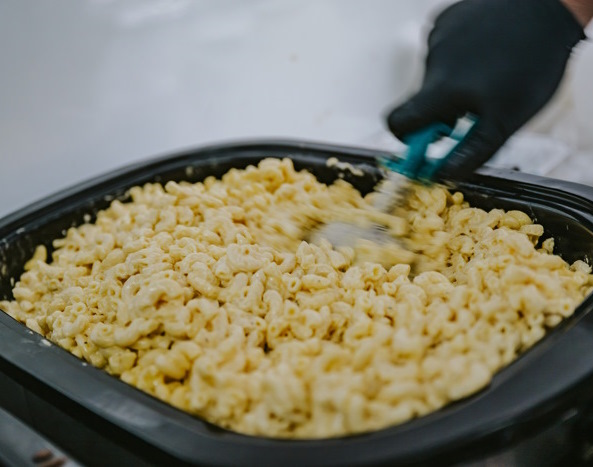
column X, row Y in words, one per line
column 205, row 296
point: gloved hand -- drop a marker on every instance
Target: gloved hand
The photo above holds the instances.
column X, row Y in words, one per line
column 500, row 60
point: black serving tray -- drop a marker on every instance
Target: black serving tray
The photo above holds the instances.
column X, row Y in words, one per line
column 535, row 411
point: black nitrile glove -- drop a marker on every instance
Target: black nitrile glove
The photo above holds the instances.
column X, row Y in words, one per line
column 500, row 60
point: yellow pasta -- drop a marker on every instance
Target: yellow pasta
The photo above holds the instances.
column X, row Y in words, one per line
column 206, row 296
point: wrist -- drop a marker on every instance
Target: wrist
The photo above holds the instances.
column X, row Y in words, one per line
column 582, row 10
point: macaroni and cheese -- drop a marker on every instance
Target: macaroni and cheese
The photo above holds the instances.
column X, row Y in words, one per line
column 205, row 296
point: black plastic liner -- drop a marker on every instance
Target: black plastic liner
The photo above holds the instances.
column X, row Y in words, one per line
column 535, row 412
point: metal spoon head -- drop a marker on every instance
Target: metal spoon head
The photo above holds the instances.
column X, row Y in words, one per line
column 370, row 243
column 341, row 234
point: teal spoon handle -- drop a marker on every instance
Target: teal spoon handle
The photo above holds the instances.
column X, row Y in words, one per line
column 415, row 164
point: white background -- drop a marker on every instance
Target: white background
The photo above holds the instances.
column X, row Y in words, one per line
column 88, row 86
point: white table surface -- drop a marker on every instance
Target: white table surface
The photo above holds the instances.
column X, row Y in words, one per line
column 90, row 85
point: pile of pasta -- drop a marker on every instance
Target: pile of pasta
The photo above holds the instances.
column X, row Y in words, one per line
column 206, row 296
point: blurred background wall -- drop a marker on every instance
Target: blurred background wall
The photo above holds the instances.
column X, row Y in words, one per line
column 90, row 85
